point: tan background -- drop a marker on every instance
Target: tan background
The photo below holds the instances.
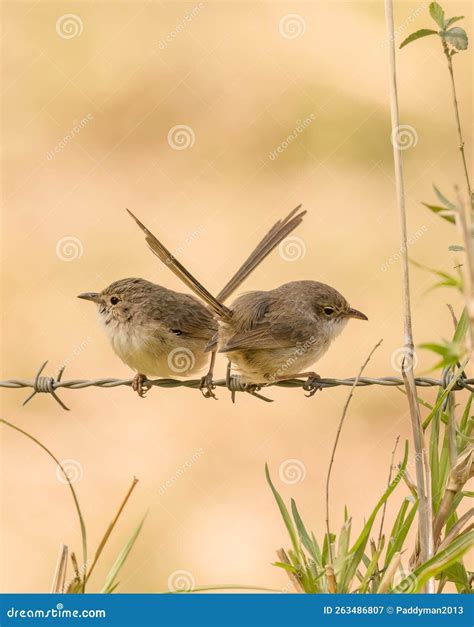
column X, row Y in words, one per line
column 243, row 88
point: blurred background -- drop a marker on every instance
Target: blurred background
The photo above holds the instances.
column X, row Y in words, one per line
column 209, row 120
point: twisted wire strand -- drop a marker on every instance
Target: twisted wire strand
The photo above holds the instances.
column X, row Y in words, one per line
column 49, row 385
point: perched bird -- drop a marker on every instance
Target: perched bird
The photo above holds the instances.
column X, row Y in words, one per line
column 271, row 335
column 162, row 333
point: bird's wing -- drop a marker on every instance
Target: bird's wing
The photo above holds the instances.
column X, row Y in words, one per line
column 188, row 317
column 265, row 335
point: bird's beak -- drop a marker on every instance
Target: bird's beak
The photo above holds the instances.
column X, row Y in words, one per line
column 93, row 296
column 354, row 313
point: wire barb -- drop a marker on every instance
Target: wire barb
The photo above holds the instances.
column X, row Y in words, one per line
column 45, row 385
column 50, row 385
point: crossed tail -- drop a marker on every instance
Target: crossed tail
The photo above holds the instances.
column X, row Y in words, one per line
column 275, row 235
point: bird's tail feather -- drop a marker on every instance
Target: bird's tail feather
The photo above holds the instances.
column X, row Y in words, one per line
column 180, row 271
column 275, row 235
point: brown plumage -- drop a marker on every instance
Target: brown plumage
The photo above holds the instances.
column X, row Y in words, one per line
column 270, row 335
column 162, row 333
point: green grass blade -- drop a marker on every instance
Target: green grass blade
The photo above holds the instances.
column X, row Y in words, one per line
column 399, row 539
column 437, row 564
column 358, row 549
column 284, row 513
column 306, row 541
column 73, row 492
column 120, row 561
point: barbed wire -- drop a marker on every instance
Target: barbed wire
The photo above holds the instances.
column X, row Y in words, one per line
column 49, row 385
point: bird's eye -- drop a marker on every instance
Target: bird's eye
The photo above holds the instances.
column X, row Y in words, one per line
column 114, row 300
column 328, row 311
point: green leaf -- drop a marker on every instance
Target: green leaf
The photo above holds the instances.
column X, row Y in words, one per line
column 371, row 566
column 443, row 395
column 437, row 564
column 284, row 513
column 437, row 14
column 306, row 541
column 447, row 203
column 357, row 551
column 441, row 211
column 457, row 37
column 398, row 534
column 462, row 327
column 109, row 585
column 452, row 20
column 424, row 32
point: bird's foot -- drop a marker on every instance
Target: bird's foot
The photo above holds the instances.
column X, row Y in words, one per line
column 140, row 385
column 312, row 384
column 207, row 386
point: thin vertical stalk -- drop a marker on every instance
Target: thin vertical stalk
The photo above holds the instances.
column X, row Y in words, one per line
column 458, row 120
column 423, row 478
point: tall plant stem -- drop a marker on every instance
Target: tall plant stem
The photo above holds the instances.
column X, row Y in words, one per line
column 423, row 478
column 458, row 121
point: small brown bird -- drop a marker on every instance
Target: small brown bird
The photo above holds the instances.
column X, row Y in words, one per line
column 271, row 335
column 162, row 333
